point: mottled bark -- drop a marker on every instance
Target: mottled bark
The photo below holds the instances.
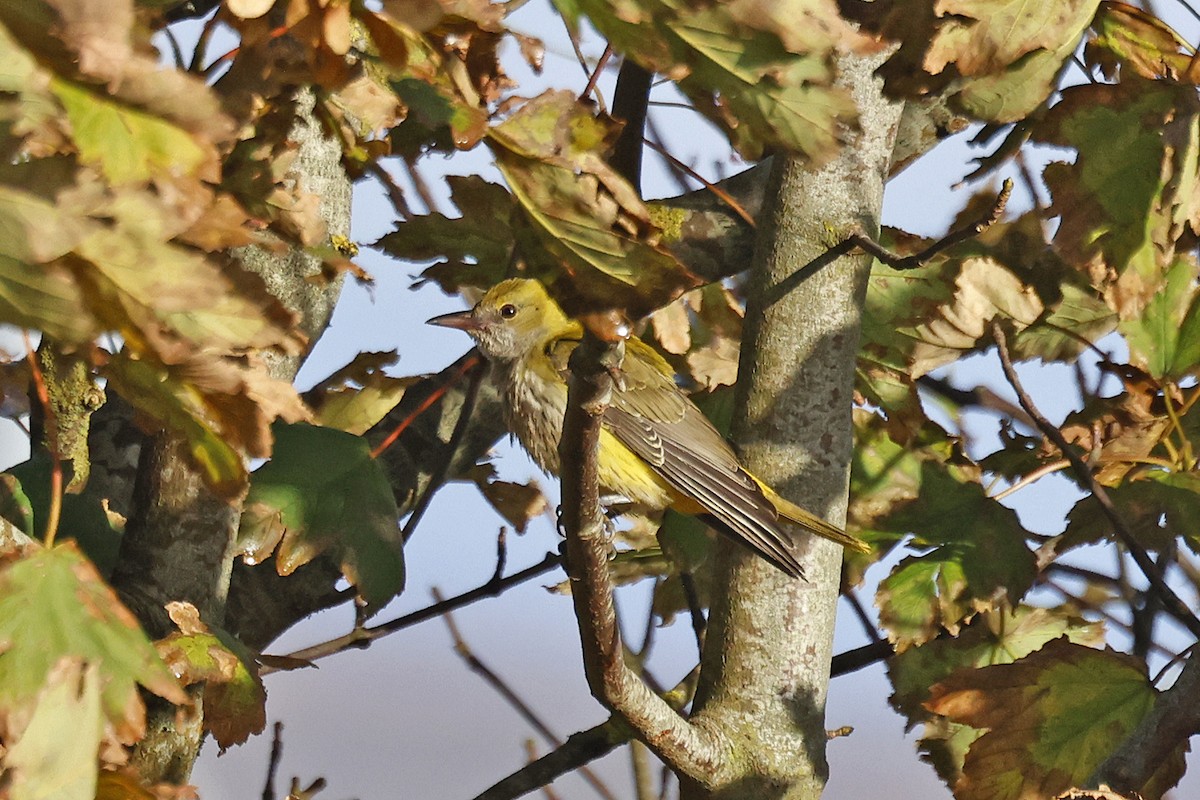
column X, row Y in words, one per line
column 767, row 653
column 178, row 544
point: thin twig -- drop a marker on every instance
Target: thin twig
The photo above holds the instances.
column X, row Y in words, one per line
column 871, row 247
column 273, row 761
column 643, row 776
column 595, row 76
column 422, row 188
column 1033, row 477
column 201, row 51
column 50, row 435
column 394, row 192
column 655, row 139
column 469, row 363
column 864, row 619
column 437, row 476
column 1173, row 604
column 501, row 554
column 695, row 609
column 1099, row 610
column 511, row 697
column 1174, row 660
column 176, row 50
column 361, row 638
column 720, row 193
column 580, row 749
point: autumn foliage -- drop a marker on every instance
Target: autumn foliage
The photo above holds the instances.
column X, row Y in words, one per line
column 137, row 177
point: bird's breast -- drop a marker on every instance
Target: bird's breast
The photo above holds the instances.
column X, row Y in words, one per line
column 533, row 410
column 534, row 406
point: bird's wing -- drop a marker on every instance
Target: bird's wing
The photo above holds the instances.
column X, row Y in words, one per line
column 654, row 419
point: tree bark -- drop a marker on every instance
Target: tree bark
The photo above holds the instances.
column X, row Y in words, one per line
column 765, row 670
column 179, row 542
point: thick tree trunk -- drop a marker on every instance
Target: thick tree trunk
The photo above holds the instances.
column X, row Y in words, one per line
column 766, row 661
column 179, row 540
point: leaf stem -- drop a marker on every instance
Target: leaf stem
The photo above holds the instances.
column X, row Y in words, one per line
column 54, row 511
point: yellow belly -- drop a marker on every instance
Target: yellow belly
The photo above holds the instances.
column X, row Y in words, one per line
column 534, row 408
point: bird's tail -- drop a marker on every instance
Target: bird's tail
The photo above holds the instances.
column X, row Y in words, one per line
column 812, row 523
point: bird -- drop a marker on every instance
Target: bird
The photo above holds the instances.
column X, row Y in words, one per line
column 657, row 450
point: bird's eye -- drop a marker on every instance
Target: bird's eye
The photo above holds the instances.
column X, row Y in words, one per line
column 508, row 311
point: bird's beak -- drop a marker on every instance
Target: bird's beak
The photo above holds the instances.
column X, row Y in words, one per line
column 462, row 320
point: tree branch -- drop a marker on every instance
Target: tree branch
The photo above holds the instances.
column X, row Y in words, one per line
column 476, row 665
column 579, row 749
column 690, row 750
column 1172, row 603
column 362, row 638
column 1174, row 718
column 768, row 650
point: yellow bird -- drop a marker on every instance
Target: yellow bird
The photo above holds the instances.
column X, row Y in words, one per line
column 657, row 449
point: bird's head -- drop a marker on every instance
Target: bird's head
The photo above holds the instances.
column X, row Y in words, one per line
column 515, row 317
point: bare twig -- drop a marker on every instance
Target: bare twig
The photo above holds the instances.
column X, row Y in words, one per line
column 859, row 657
column 867, row 244
column 420, row 185
column 308, row 792
column 977, row 397
column 695, row 609
column 1173, row 604
column 579, row 749
column 438, row 477
column 504, row 690
column 361, row 638
column 720, row 193
column 501, row 554
column 1033, row 477
column 268, row 792
column 50, row 435
column 595, row 76
column 469, row 362
column 394, row 192
column 643, row 776
column 201, row 51
column 654, row 139
column 688, row 749
column 860, row 613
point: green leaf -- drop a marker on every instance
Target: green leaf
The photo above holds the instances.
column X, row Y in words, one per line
column 1115, row 201
column 44, row 297
column 54, row 606
column 1078, row 316
column 998, row 636
column 82, row 517
column 897, row 491
column 1051, row 719
column 321, row 491
column 764, row 75
column 473, row 249
column 129, row 145
column 15, row 505
column 55, row 757
column 605, row 250
column 1164, row 339
column 994, row 59
column 234, row 696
